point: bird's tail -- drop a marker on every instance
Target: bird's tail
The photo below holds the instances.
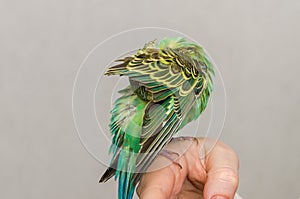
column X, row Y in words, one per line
column 126, row 184
column 125, row 173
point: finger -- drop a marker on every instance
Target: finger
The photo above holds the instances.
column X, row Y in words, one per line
column 157, row 184
column 222, row 166
column 164, row 181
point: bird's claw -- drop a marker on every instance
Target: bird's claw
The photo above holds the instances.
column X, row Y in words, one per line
column 183, row 138
column 170, row 155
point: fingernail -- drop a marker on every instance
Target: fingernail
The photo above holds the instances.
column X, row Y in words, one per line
column 219, row 197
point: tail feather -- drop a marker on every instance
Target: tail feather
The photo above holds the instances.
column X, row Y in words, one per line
column 126, row 186
column 125, row 162
column 110, row 172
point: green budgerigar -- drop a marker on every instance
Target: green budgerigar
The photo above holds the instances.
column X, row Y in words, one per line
column 170, row 84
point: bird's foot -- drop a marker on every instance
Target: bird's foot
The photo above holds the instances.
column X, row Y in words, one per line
column 170, row 155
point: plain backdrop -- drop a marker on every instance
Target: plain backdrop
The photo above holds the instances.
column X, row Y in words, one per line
column 42, row 43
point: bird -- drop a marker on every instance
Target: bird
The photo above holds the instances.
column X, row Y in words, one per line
column 170, row 83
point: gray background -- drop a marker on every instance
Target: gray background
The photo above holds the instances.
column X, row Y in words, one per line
column 42, row 43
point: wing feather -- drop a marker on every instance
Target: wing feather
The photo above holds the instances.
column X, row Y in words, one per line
column 161, row 122
column 159, row 70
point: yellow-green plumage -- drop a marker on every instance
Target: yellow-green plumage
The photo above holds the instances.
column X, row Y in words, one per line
column 170, row 84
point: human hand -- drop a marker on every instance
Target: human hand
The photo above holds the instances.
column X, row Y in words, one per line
column 213, row 176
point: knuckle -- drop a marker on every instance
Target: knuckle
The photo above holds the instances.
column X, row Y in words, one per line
column 227, row 175
column 228, row 150
column 223, row 146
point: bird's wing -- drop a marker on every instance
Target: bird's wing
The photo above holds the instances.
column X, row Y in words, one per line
column 161, row 71
column 160, row 123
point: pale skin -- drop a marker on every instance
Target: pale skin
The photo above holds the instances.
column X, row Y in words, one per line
column 213, row 176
